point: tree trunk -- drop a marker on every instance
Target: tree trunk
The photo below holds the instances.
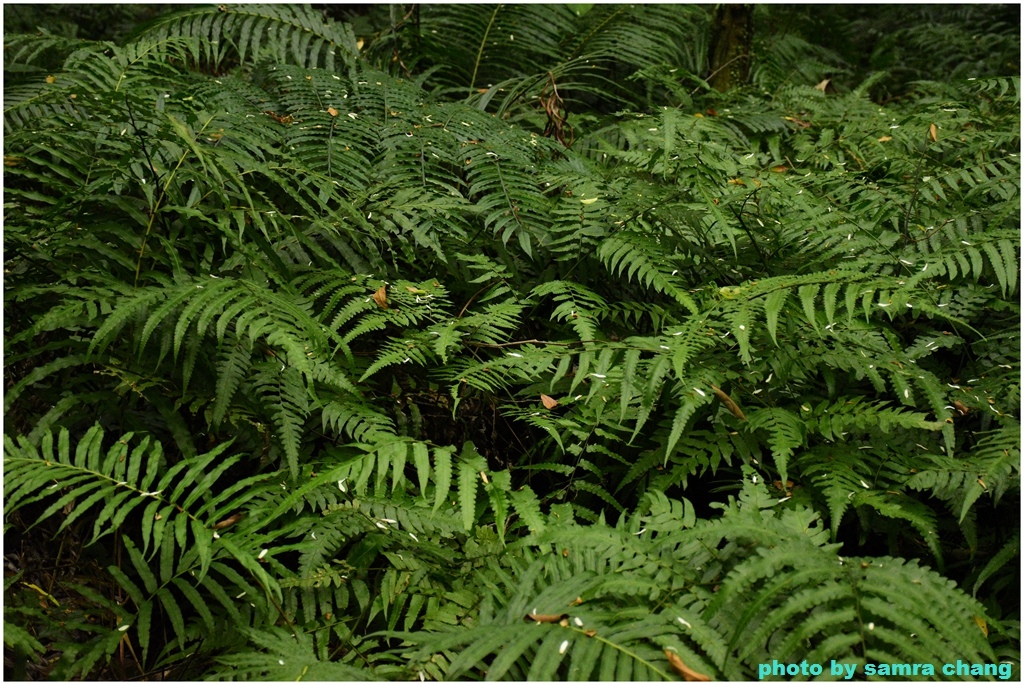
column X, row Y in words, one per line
column 731, row 44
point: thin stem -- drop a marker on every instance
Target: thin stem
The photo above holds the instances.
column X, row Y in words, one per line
column 480, row 52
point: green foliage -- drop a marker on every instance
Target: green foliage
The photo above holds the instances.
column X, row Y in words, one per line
column 619, row 598
column 344, row 354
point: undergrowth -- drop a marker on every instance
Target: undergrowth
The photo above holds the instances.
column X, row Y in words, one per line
column 332, row 360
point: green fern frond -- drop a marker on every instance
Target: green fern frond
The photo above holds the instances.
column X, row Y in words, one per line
column 179, row 512
column 118, row 478
column 281, row 654
column 786, row 432
column 629, row 253
column 961, row 482
column 293, row 34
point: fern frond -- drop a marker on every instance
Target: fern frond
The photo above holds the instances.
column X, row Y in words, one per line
column 179, row 513
column 629, row 253
column 292, row 34
column 280, row 654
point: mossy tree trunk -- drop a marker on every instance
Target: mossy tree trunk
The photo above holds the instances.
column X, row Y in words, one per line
column 731, row 45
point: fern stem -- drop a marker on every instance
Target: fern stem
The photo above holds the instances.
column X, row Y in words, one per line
column 633, row 655
column 913, row 201
column 470, row 301
column 596, row 30
column 750, row 234
column 480, row 52
column 159, row 177
column 280, row 609
column 159, row 201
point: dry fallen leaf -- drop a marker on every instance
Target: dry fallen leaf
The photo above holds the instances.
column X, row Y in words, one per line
column 788, row 489
column 229, row 521
column 546, row 618
column 381, row 297
column 549, row 402
column 682, row 669
column 729, row 403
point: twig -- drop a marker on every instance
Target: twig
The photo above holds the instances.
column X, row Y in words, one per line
column 715, row 72
column 463, row 310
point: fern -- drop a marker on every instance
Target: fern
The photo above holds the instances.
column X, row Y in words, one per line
column 610, row 570
column 178, row 512
column 428, row 319
column 287, row 34
column 285, row 655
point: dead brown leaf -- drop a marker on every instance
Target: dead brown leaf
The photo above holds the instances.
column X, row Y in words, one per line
column 733, row 408
column 229, row 521
column 381, row 297
column 788, row 489
column 546, row 618
column 682, row 669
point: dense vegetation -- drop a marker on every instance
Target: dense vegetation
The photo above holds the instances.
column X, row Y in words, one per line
column 490, row 342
